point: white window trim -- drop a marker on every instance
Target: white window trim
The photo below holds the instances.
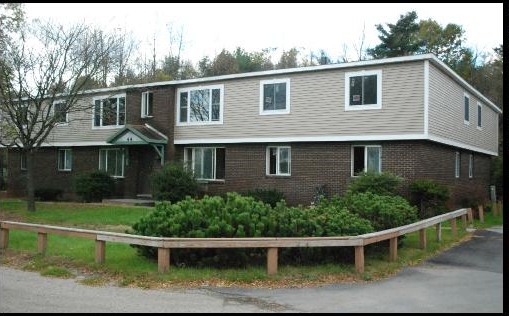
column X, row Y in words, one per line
column 466, row 95
column 378, row 104
column 65, row 150
column 471, row 166
column 66, row 114
column 191, row 160
column 108, row 97
column 123, row 160
column 188, row 89
column 275, row 81
column 144, row 104
column 365, row 158
column 479, row 117
column 457, row 165
column 23, row 161
column 267, row 161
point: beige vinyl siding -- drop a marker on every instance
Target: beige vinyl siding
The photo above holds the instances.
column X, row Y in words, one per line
column 446, row 113
column 317, row 107
column 79, row 129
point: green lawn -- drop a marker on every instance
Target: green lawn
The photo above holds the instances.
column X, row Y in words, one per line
column 67, row 256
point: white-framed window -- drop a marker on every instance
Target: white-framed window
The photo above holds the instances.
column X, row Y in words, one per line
column 207, row 163
column 366, row 158
column 60, row 113
column 457, row 165
column 23, row 114
column 275, row 96
column 23, row 161
column 147, row 102
column 279, row 160
column 109, row 111
column 112, row 161
column 466, row 109
column 64, row 159
column 471, row 166
column 363, row 90
column 479, row 115
column 200, row 105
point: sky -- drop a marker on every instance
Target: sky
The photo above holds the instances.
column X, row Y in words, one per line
column 337, row 28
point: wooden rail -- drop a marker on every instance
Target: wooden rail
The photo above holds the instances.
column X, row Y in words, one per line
column 164, row 244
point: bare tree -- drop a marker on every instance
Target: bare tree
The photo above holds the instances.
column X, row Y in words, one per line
column 42, row 64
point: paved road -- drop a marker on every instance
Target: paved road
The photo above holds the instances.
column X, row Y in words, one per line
column 467, row 278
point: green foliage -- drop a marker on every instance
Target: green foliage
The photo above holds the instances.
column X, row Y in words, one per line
column 94, row 186
column 244, row 216
column 383, row 211
column 269, row 196
column 384, row 183
column 498, row 176
column 429, row 196
column 48, row 194
column 173, row 183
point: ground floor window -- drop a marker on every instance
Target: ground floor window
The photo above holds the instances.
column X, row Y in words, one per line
column 278, row 160
column 366, row 159
column 64, row 160
column 207, row 163
column 112, row 161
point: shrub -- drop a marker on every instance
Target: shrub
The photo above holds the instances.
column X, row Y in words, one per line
column 384, row 183
column 268, row 196
column 48, row 194
column 429, row 196
column 173, row 183
column 94, row 186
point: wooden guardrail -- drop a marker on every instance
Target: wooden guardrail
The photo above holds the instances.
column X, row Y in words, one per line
column 164, row 244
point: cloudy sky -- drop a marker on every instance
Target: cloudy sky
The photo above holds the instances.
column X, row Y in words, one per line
column 336, row 28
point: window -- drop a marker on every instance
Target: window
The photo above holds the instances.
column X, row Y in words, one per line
column 457, row 168
column 366, row 159
column 278, row 160
column 275, row 96
column 207, row 163
column 112, row 161
column 479, row 115
column 60, row 113
column 23, row 161
column 64, row 160
column 23, row 114
column 466, row 101
column 363, row 90
column 200, row 105
column 147, row 99
column 109, row 111
column 470, row 166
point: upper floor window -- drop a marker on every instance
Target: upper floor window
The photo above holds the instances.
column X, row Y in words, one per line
column 363, row 90
column 64, row 159
column 199, row 105
column 278, row 160
column 109, row 111
column 147, row 100
column 471, row 166
column 60, row 112
column 457, row 165
column 466, row 106
column 479, row 115
column 366, row 159
column 112, row 161
column 207, row 163
column 275, row 96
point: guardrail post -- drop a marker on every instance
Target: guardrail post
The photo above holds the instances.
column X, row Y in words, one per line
column 481, row 213
column 4, row 238
column 272, row 254
column 500, row 208
column 393, row 249
column 422, row 238
column 470, row 216
column 439, row 231
column 100, row 251
column 454, row 229
column 42, row 241
column 464, row 221
column 163, row 259
column 494, row 208
column 359, row 259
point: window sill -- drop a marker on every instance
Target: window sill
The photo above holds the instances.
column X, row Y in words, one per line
column 217, row 181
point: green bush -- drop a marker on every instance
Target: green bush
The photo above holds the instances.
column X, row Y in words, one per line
column 269, row 196
column 94, row 186
column 384, row 183
column 429, row 196
column 173, row 183
column 48, row 194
